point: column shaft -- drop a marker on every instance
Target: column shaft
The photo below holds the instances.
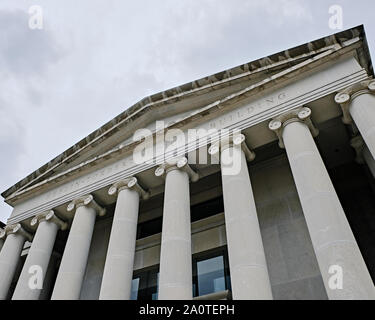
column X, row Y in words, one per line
column 332, row 239
column 369, row 159
column 9, row 258
column 175, row 281
column 73, row 264
column 362, row 110
column 118, row 270
column 39, row 255
column 49, row 278
column 247, row 262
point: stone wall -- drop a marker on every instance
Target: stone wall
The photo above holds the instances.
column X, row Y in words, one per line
column 292, row 265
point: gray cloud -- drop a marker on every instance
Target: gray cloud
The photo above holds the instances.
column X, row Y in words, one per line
column 24, row 52
column 95, row 58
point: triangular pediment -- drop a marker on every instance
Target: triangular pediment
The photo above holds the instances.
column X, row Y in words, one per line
column 185, row 101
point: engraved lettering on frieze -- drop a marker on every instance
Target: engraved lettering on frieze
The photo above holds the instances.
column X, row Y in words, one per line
column 224, row 121
column 220, row 122
column 251, row 110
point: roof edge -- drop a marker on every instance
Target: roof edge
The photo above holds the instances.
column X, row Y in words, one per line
column 197, row 85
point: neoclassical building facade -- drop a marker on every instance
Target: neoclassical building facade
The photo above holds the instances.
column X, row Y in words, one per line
column 293, row 220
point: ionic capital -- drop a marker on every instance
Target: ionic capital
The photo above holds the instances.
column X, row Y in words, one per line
column 237, row 139
column 128, row 183
column 177, row 164
column 88, row 201
column 346, row 96
column 301, row 114
column 51, row 217
column 15, row 229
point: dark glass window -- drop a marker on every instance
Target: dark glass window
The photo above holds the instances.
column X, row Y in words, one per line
column 145, row 285
column 135, row 288
column 198, row 212
column 211, row 275
column 210, row 272
column 207, row 209
column 149, row 228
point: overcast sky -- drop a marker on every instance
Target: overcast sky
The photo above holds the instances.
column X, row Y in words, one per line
column 95, row 58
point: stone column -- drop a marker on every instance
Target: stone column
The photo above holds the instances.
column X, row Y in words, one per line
column 118, row 269
column 358, row 105
column 39, row 255
column 50, row 276
column 73, row 264
column 2, row 236
column 363, row 154
column 335, row 247
column 369, row 159
column 247, row 261
column 10, row 255
column 175, row 278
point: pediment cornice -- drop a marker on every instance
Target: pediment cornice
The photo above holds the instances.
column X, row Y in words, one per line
column 281, row 68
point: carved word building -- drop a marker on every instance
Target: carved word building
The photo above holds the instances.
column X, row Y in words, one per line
column 294, row 219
